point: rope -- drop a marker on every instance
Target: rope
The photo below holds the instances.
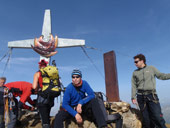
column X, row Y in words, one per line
column 92, row 62
column 5, row 55
column 120, row 53
column 9, row 56
column 93, row 48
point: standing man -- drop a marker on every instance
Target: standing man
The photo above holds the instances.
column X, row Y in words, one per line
column 2, row 88
column 144, row 86
column 76, row 102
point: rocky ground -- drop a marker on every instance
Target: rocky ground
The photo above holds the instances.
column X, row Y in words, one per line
column 131, row 119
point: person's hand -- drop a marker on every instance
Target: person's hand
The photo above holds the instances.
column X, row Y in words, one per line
column 32, row 108
column 78, row 109
column 134, row 101
column 78, row 118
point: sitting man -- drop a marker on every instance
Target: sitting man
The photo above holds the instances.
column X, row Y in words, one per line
column 76, row 103
column 23, row 90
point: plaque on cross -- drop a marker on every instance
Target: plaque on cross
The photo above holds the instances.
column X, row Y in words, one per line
column 46, row 31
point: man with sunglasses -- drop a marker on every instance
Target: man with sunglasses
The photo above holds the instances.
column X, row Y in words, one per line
column 76, row 102
column 144, row 88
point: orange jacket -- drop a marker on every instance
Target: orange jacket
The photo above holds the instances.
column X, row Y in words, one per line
column 25, row 88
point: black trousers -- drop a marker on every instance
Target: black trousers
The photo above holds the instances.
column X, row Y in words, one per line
column 93, row 105
column 44, row 106
column 151, row 111
column 44, row 111
column 2, row 123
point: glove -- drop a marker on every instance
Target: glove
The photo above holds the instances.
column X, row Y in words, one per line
column 35, row 103
column 20, row 105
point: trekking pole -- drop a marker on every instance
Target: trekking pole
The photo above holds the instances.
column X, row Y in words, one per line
column 62, row 90
column 6, row 111
column 61, row 84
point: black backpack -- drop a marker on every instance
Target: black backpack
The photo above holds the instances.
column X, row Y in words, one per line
column 109, row 118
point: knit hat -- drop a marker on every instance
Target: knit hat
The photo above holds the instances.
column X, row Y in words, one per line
column 76, row 72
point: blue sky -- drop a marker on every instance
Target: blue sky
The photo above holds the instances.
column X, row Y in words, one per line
column 127, row 27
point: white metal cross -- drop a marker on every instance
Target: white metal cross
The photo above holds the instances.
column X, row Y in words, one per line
column 46, row 31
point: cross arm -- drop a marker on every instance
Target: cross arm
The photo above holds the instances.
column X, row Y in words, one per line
column 21, row 43
column 62, row 42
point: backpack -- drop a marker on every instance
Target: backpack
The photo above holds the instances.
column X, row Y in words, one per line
column 100, row 99
column 109, row 118
column 50, row 82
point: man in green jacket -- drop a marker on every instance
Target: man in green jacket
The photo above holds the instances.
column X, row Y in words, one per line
column 144, row 88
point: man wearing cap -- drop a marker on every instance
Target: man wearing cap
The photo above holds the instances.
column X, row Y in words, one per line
column 76, row 102
column 44, row 103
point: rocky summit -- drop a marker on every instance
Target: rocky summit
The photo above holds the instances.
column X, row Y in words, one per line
column 131, row 118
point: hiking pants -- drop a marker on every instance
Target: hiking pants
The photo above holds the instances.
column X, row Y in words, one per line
column 13, row 119
column 93, row 105
column 44, row 106
column 44, row 111
column 151, row 111
column 13, row 114
column 2, row 123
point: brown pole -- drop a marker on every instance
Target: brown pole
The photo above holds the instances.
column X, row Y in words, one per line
column 111, row 79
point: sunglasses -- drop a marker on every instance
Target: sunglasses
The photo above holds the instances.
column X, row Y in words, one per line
column 136, row 61
column 75, row 77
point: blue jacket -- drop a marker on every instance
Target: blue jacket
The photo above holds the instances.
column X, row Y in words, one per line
column 74, row 96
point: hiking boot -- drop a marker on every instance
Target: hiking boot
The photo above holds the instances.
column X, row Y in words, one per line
column 18, row 123
column 46, row 125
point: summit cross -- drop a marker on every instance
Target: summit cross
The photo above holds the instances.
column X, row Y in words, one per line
column 46, row 31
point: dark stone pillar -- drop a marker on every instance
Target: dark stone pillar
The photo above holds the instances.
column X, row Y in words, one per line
column 111, row 79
